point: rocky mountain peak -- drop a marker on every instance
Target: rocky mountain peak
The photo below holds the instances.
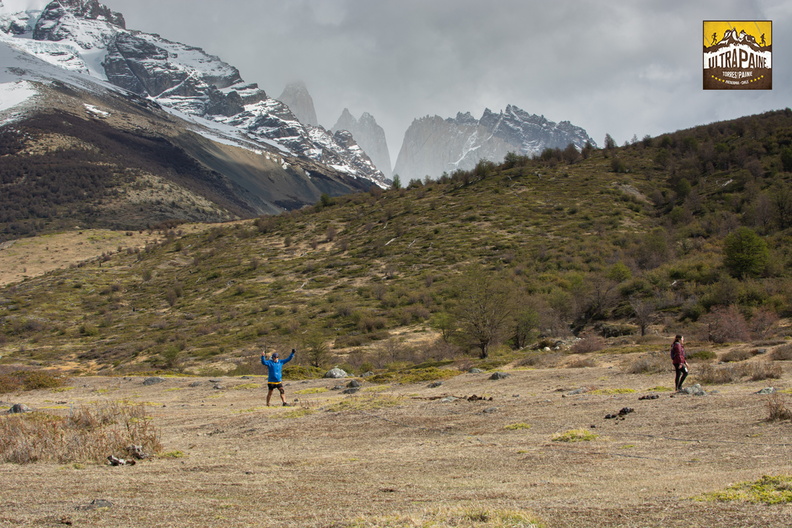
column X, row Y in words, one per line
column 296, row 96
column 86, row 37
column 369, row 135
column 433, row 145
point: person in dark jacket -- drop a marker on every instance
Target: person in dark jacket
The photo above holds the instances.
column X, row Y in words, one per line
column 679, row 361
column 275, row 374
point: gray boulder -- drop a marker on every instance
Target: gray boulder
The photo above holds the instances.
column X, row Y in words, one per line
column 153, row 380
column 695, row 390
column 500, row 375
column 19, row 408
column 336, row 373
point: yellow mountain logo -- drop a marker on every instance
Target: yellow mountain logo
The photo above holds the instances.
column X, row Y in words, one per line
column 738, row 55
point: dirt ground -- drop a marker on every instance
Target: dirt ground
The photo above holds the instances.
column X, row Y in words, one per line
column 313, row 465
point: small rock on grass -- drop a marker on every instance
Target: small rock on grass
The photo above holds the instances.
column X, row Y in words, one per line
column 19, row 408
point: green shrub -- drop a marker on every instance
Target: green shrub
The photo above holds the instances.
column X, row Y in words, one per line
column 27, row 380
column 745, row 254
column 414, row 375
column 575, row 435
column 766, row 490
column 702, row 355
column 517, row 426
column 302, row 372
column 612, row 391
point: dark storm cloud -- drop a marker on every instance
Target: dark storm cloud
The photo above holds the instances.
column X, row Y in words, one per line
column 625, row 68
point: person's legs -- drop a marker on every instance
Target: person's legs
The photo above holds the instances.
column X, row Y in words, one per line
column 282, row 395
column 681, row 374
column 269, row 395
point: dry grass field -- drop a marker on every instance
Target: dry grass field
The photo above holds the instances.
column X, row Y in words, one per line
column 415, row 455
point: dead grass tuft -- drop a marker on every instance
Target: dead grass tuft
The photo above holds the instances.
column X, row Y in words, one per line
column 736, row 355
column 756, row 371
column 87, row 435
column 777, row 409
column 542, row 360
column 590, row 344
column 583, row 362
column 652, row 363
column 474, row 517
column 782, row 353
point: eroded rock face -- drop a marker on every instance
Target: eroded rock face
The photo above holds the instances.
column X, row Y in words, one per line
column 55, row 26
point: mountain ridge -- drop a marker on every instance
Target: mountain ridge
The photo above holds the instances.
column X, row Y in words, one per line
column 85, row 36
column 161, row 166
column 433, row 145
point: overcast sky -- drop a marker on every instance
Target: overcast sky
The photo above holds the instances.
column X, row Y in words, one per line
column 620, row 67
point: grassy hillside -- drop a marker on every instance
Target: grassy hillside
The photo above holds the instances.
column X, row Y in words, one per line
column 598, row 244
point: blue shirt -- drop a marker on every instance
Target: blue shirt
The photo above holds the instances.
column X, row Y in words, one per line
column 275, row 368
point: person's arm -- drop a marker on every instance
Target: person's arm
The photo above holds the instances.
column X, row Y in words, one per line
column 291, row 356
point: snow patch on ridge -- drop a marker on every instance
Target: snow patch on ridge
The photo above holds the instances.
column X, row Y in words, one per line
column 15, row 93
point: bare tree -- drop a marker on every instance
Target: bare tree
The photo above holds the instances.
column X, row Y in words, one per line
column 644, row 313
column 485, row 307
column 316, row 348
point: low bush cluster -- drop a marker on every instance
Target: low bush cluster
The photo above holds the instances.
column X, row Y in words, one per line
column 26, row 380
column 755, row 371
column 782, row 353
column 588, row 345
column 652, row 363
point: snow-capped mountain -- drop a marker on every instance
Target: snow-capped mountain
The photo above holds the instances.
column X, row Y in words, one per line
column 112, row 128
column 86, row 37
column 433, row 145
column 369, row 135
